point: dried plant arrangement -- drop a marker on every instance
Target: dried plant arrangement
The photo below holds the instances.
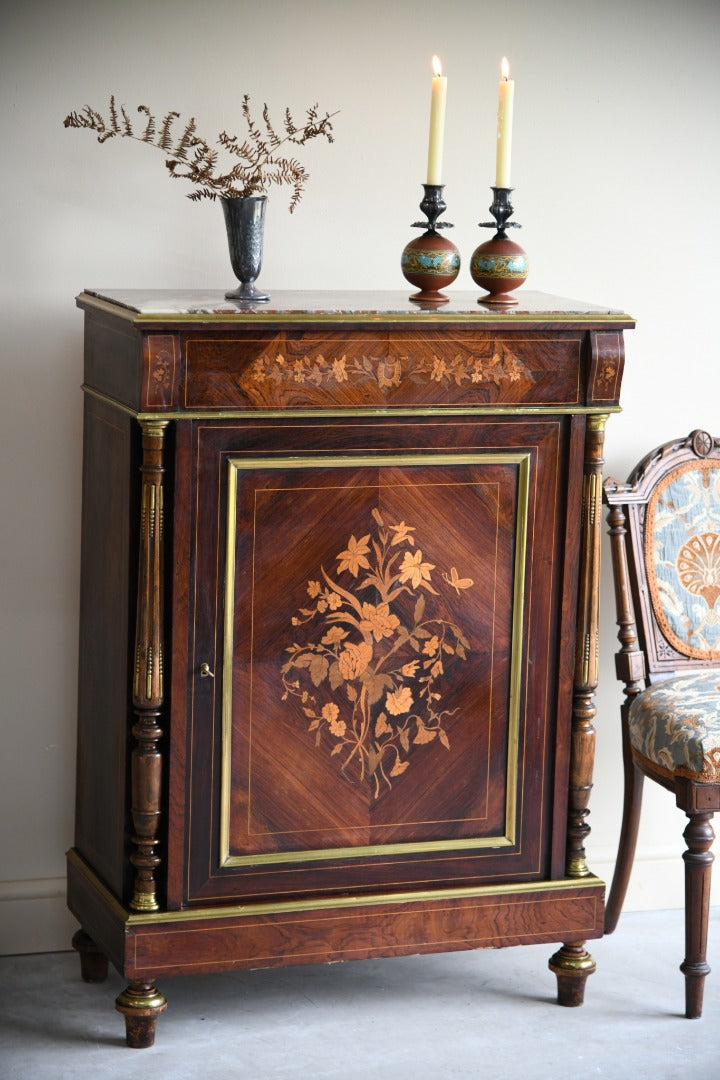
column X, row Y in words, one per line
column 261, row 157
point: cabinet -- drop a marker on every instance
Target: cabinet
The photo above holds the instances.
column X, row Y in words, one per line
column 338, row 644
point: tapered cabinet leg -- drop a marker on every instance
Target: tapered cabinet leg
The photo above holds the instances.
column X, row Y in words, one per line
column 141, row 1004
column 572, row 964
column 698, row 858
column 93, row 962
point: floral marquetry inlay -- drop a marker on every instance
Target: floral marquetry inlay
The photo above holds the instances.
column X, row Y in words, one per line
column 370, row 653
column 161, row 366
column 605, row 367
column 293, row 369
column 607, row 375
column 499, row 367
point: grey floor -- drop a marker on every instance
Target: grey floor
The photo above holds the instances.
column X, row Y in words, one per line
column 480, row 1015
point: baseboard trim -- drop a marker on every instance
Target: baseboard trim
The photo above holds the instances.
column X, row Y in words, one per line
column 34, row 917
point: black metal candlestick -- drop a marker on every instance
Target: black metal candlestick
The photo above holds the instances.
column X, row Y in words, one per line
column 499, row 265
column 432, row 206
column 501, row 209
column 431, row 262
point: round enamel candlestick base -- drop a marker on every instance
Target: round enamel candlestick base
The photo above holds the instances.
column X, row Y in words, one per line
column 499, row 265
column 431, row 262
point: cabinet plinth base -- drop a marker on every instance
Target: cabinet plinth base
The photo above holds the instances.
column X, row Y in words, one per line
column 145, row 947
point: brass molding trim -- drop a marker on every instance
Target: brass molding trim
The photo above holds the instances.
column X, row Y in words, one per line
column 477, row 411
column 337, row 903
column 509, row 837
column 153, row 999
column 516, row 651
column 568, row 962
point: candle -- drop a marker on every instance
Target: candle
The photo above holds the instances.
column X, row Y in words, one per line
column 437, row 124
column 506, row 92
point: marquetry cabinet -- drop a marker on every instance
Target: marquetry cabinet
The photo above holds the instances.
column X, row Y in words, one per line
column 339, row 621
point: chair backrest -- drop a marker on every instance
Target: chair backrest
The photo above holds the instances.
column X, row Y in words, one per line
column 667, row 573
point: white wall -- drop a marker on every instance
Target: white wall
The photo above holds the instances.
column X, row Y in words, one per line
column 616, row 160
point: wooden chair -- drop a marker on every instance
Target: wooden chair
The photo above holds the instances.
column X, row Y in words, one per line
column 664, row 526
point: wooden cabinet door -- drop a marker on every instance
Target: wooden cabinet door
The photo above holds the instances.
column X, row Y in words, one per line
column 380, row 603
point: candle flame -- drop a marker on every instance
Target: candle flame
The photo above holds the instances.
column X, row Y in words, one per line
column 505, row 68
column 437, row 66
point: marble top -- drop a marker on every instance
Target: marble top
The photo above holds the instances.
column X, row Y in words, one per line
column 392, row 306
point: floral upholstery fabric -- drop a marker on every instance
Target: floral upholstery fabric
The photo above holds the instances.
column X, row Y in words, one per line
column 682, row 553
column 676, row 724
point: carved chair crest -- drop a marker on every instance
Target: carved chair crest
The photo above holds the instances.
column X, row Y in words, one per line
column 670, row 510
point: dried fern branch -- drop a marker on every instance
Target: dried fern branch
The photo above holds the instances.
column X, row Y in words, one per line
column 257, row 165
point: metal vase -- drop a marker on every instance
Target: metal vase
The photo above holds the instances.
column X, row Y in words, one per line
column 245, row 222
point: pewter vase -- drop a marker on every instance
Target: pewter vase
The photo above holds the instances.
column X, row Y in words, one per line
column 245, row 223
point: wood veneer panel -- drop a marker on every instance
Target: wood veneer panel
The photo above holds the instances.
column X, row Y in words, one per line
column 358, row 367
column 542, row 441
column 386, row 929
column 183, row 672
column 113, row 359
column 101, row 918
column 105, row 617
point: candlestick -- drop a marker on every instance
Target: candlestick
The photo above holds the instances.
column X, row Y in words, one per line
column 499, row 265
column 431, row 262
column 506, row 94
column 436, row 138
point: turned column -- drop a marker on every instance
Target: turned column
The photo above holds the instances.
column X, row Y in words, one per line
column 572, row 964
column 148, row 673
column 141, row 1003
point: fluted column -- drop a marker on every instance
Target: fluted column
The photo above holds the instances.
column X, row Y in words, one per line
column 148, row 692
column 582, row 746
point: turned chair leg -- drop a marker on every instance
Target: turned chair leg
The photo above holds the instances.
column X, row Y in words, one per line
column 632, row 804
column 93, row 962
column 698, row 859
column 572, row 964
column 141, row 1004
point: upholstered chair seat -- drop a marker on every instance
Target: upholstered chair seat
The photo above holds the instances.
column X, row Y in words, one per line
column 675, row 726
